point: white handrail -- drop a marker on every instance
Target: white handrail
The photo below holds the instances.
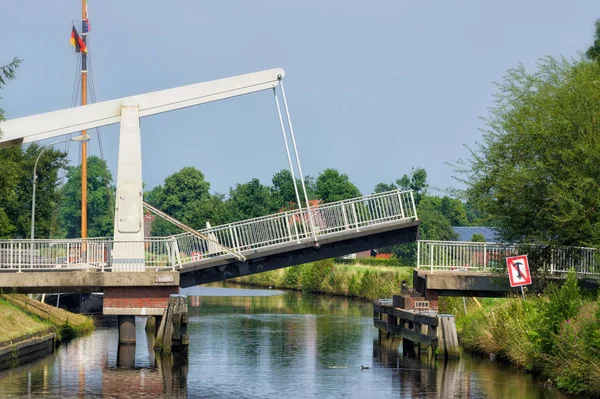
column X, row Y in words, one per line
column 486, row 256
column 247, row 236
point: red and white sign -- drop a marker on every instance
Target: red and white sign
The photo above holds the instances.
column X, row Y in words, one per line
column 518, row 270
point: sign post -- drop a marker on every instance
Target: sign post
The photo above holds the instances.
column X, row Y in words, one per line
column 518, row 272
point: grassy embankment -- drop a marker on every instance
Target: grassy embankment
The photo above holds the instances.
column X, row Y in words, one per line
column 555, row 335
column 22, row 317
column 327, row 277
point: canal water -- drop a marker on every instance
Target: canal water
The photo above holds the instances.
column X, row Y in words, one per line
column 247, row 343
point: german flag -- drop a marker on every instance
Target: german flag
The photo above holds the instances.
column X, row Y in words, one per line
column 77, row 42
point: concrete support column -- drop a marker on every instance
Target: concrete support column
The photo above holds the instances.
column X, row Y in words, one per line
column 126, row 330
column 126, row 356
column 128, row 250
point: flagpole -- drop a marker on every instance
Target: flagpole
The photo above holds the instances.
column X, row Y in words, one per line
column 83, row 133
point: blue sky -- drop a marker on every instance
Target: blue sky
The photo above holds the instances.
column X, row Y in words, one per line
column 375, row 88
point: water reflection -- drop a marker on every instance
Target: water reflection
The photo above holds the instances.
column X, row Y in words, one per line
column 97, row 366
column 468, row 377
column 259, row 344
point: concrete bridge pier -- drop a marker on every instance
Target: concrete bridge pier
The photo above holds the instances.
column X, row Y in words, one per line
column 138, row 294
column 126, row 330
column 126, row 356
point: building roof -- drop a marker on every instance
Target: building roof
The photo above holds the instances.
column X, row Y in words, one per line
column 465, row 233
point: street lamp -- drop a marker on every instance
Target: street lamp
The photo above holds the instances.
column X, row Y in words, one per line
column 81, row 139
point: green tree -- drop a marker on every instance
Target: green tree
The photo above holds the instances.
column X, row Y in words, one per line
column 282, row 192
column 434, row 224
column 477, row 237
column 250, row 200
column 476, row 217
column 283, row 195
column 10, row 159
column 383, row 187
column 9, row 175
column 160, row 227
column 16, row 186
column 536, row 171
column 593, row 52
column 416, row 181
column 185, row 196
column 436, row 214
column 100, row 201
column 7, row 72
column 454, row 210
column 311, row 187
column 332, row 186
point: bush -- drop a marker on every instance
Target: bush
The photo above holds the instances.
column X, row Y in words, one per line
column 369, row 261
column 503, row 330
column 326, row 277
column 562, row 304
column 65, row 332
column 314, row 274
column 354, row 285
column 576, row 362
column 368, row 284
column 291, row 276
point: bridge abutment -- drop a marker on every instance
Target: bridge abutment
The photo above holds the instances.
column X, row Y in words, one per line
column 137, row 301
column 128, row 302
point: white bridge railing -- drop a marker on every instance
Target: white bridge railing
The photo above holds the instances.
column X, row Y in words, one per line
column 489, row 256
column 248, row 236
column 295, row 226
column 95, row 253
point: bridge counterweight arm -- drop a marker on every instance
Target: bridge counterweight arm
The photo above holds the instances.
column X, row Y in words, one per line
column 42, row 126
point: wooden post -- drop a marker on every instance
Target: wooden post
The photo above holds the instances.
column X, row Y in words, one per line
column 407, row 346
column 448, row 337
column 419, row 330
column 158, row 344
column 150, row 324
column 432, row 350
column 172, row 333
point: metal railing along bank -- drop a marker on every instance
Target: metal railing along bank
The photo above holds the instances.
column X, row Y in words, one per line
column 491, row 256
column 337, row 218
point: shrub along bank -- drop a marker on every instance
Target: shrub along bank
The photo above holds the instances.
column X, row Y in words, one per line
column 328, row 277
column 369, row 261
column 556, row 335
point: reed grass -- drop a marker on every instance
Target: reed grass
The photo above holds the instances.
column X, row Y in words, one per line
column 327, row 277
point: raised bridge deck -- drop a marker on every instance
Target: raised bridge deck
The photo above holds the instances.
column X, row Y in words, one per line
column 228, row 251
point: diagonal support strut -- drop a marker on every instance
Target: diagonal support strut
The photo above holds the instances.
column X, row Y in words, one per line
column 188, row 229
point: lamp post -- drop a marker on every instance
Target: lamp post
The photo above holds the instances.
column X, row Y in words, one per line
column 82, row 139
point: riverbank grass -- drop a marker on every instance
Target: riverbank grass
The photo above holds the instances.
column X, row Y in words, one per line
column 26, row 317
column 15, row 323
column 556, row 335
column 327, row 277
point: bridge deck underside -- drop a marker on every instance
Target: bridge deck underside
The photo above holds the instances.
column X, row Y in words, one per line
column 299, row 252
